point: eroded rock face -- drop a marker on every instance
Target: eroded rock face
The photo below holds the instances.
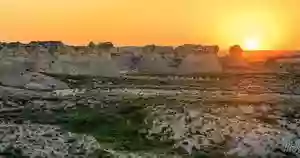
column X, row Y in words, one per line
column 104, row 66
column 41, row 59
column 235, row 61
column 106, row 60
column 36, row 140
column 155, row 64
column 128, row 49
column 127, row 62
column 164, row 50
column 197, row 129
column 93, row 65
column 18, row 76
column 202, row 60
column 184, row 50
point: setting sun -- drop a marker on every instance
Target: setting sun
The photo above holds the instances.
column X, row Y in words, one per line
column 272, row 22
column 251, row 44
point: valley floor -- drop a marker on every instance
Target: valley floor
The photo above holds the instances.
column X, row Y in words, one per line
column 245, row 115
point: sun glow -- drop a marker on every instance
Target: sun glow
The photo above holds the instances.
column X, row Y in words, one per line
column 251, row 44
column 257, row 30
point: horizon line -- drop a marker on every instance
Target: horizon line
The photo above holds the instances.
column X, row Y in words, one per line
column 141, row 45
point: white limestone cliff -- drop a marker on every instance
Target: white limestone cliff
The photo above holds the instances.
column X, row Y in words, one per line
column 127, row 62
column 155, row 64
column 93, row 65
column 109, row 61
column 17, row 76
column 201, row 61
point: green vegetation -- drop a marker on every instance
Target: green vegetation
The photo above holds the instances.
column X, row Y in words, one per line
column 122, row 128
column 12, row 152
column 200, row 155
column 125, row 129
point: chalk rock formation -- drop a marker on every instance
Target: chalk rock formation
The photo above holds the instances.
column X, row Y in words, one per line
column 127, row 62
column 63, row 65
column 6, row 51
column 104, row 66
column 18, row 76
column 93, row 60
column 40, row 59
column 235, row 58
column 163, row 49
column 105, row 47
column 155, row 64
column 15, row 49
column 94, row 65
column 234, row 62
column 104, row 59
column 183, row 50
column 166, row 52
column 127, row 58
column 156, row 60
column 147, row 59
column 21, row 71
column 8, row 60
column 128, row 50
column 202, row 60
column 148, row 49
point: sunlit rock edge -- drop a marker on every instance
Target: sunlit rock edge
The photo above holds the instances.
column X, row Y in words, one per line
column 106, row 60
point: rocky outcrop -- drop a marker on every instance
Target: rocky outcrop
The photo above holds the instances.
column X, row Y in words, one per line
column 164, row 50
column 202, row 60
column 149, row 59
column 214, row 119
column 41, row 59
column 93, row 65
column 234, row 61
column 104, row 59
column 23, row 72
column 18, row 77
column 49, row 141
column 154, row 63
column 186, row 49
column 128, row 50
column 195, row 129
column 104, row 66
column 186, row 59
column 127, row 62
column 6, row 51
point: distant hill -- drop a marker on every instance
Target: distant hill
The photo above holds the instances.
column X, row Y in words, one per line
column 259, row 55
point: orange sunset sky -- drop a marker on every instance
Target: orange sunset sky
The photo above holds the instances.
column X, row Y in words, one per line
column 261, row 24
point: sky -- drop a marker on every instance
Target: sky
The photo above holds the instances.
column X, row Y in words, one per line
column 255, row 24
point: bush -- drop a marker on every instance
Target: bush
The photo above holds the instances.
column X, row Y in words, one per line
column 122, row 129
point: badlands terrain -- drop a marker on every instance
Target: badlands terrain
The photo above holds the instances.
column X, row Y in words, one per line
column 154, row 101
